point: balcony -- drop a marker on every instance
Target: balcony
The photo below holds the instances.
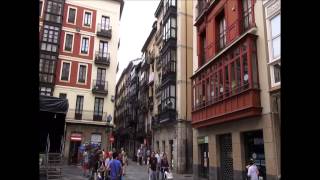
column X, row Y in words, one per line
column 104, row 30
column 102, row 58
column 244, row 105
column 100, row 87
column 86, row 117
column 155, row 122
column 169, row 72
column 201, row 7
column 167, row 116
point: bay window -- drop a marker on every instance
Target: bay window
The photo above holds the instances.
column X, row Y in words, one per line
column 170, row 28
column 229, row 75
column 168, row 96
column 169, row 3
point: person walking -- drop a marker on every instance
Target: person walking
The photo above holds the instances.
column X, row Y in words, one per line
column 115, row 167
column 158, row 164
column 85, row 164
column 164, row 165
column 152, row 167
column 253, row 172
column 139, row 154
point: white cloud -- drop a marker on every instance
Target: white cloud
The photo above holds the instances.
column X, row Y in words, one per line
column 135, row 27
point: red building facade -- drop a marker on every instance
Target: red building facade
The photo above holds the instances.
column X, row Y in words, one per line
column 226, row 83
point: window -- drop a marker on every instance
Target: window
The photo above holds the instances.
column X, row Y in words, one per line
column 54, row 11
column 228, row 75
column 63, row 95
column 68, row 42
column 46, row 68
column 47, row 91
column 275, row 74
column 84, row 45
column 246, row 13
column 40, row 7
column 87, row 19
column 170, row 28
column 98, row 109
column 103, row 49
column 222, row 32
column 82, row 73
column 101, row 76
column 79, row 107
column 169, row 3
column 105, row 22
column 65, row 71
column 203, row 48
column 275, row 36
column 168, row 97
column 50, row 38
column 72, row 15
column 169, row 62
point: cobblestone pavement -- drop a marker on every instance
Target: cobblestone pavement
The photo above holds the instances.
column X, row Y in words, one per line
column 133, row 172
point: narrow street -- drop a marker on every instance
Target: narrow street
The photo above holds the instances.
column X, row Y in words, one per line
column 134, row 172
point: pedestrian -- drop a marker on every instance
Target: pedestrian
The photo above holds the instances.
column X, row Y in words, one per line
column 85, row 165
column 124, row 156
column 148, row 155
column 164, row 165
column 101, row 168
column 253, row 172
column 158, row 163
column 139, row 154
column 152, row 170
column 115, row 168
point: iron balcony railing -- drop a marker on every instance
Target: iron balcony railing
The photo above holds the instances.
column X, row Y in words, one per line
column 102, row 58
column 104, row 30
column 100, row 87
column 86, row 115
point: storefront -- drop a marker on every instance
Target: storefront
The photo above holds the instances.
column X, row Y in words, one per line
column 75, row 143
column 203, row 156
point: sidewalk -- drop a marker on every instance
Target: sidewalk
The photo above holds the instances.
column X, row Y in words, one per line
column 137, row 172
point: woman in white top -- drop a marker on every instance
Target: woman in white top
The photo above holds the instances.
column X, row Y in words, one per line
column 253, row 171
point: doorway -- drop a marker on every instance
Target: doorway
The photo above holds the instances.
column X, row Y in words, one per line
column 226, row 159
column 254, row 148
column 204, row 160
column 73, row 152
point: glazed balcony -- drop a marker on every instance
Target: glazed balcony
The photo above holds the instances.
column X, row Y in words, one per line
column 100, row 87
column 102, row 58
column 169, row 72
column 86, row 117
column 104, row 30
column 167, row 116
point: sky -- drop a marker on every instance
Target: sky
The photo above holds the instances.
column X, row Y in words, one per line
column 135, row 26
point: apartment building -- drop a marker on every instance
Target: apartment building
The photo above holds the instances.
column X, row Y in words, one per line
column 84, row 70
column 231, row 108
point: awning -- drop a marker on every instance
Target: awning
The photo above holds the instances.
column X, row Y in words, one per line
column 53, row 104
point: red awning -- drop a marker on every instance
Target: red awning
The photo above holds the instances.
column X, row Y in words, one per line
column 76, row 137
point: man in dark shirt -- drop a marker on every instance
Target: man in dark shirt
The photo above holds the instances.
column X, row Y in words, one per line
column 153, row 167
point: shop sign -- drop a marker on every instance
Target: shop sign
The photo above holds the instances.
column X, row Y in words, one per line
column 76, row 137
column 203, row 140
column 95, row 138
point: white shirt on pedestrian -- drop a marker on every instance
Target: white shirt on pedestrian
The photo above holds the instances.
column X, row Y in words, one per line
column 253, row 172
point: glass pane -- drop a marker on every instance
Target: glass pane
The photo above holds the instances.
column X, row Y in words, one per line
column 276, row 47
column 277, row 75
column 275, row 26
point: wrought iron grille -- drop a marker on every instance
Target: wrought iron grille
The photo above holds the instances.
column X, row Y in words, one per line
column 226, row 159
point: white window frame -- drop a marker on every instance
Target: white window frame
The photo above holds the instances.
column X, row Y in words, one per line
column 75, row 18
column 87, row 69
column 84, row 12
column 41, row 13
column 273, row 83
column 69, row 62
column 270, row 47
column 65, row 40
column 85, row 36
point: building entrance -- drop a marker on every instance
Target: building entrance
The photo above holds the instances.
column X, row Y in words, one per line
column 74, row 151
